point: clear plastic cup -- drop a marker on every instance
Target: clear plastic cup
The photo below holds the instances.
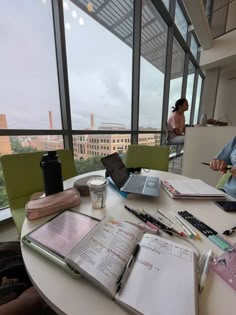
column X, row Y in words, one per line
column 98, row 188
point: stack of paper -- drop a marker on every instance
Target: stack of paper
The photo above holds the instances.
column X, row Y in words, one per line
column 191, row 189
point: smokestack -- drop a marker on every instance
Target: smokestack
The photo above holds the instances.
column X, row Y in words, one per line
column 3, row 121
column 92, row 122
column 5, row 146
column 50, row 120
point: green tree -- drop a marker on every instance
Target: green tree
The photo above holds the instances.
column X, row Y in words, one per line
column 17, row 147
column 89, row 165
column 3, row 194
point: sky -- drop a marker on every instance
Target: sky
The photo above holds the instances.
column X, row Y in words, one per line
column 99, row 70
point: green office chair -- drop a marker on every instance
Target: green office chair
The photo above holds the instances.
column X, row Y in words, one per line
column 150, row 157
column 223, row 180
column 23, row 177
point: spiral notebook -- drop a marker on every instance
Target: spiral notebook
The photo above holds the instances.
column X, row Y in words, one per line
column 225, row 266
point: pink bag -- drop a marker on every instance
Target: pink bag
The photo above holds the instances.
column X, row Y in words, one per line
column 42, row 207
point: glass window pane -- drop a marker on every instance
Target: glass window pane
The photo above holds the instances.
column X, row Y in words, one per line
column 197, row 103
column 194, row 46
column 177, row 68
column 189, row 90
column 89, row 149
column 167, row 4
column 152, row 67
column 149, row 139
column 99, row 57
column 180, row 21
column 29, row 83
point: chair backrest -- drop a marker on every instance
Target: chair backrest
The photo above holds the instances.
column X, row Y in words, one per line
column 151, row 157
column 223, row 180
column 23, row 174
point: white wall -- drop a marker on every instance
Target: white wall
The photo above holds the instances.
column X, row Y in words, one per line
column 222, row 52
column 231, row 21
column 225, row 106
column 201, row 144
column 209, row 93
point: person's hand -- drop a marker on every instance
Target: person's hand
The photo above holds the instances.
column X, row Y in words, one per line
column 233, row 171
column 218, row 165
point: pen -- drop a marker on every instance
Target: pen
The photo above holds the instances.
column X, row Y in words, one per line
column 230, row 231
column 174, row 224
column 123, row 276
column 180, row 225
column 184, row 224
column 227, row 168
column 145, row 228
column 142, row 218
column 170, row 226
column 156, row 222
column 205, row 270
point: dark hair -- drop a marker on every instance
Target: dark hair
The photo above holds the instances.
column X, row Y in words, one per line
column 178, row 103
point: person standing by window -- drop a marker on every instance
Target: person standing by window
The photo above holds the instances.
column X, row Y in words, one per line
column 176, row 122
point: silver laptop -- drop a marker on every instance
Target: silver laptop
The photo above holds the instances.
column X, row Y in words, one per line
column 130, row 183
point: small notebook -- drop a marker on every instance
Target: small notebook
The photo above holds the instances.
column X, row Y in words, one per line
column 162, row 278
column 225, row 266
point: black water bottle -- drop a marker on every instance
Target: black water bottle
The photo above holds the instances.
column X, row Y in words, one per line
column 52, row 174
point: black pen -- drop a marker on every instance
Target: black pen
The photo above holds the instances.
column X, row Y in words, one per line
column 143, row 218
column 157, row 222
column 123, row 276
column 227, row 168
column 136, row 214
column 230, row 231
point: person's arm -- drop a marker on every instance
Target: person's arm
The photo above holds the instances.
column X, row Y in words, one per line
column 28, row 303
column 177, row 131
column 222, row 159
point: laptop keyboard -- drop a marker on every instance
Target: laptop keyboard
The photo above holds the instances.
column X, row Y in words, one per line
column 136, row 183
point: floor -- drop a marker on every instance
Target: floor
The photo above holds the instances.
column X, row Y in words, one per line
column 175, row 165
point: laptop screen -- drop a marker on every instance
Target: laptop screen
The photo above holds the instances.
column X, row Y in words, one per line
column 116, row 169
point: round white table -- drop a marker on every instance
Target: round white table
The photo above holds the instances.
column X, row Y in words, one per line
column 72, row 296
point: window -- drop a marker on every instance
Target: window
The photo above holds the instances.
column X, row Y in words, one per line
column 152, row 67
column 189, row 90
column 194, row 46
column 177, row 67
column 198, row 96
column 29, row 83
column 180, row 21
column 99, row 62
column 166, row 3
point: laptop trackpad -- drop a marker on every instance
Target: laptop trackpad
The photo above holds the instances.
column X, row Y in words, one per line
column 152, row 186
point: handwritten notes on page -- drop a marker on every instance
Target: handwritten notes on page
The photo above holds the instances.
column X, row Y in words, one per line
column 103, row 254
column 162, row 280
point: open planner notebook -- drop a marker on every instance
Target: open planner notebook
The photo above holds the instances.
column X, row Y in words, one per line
column 161, row 280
